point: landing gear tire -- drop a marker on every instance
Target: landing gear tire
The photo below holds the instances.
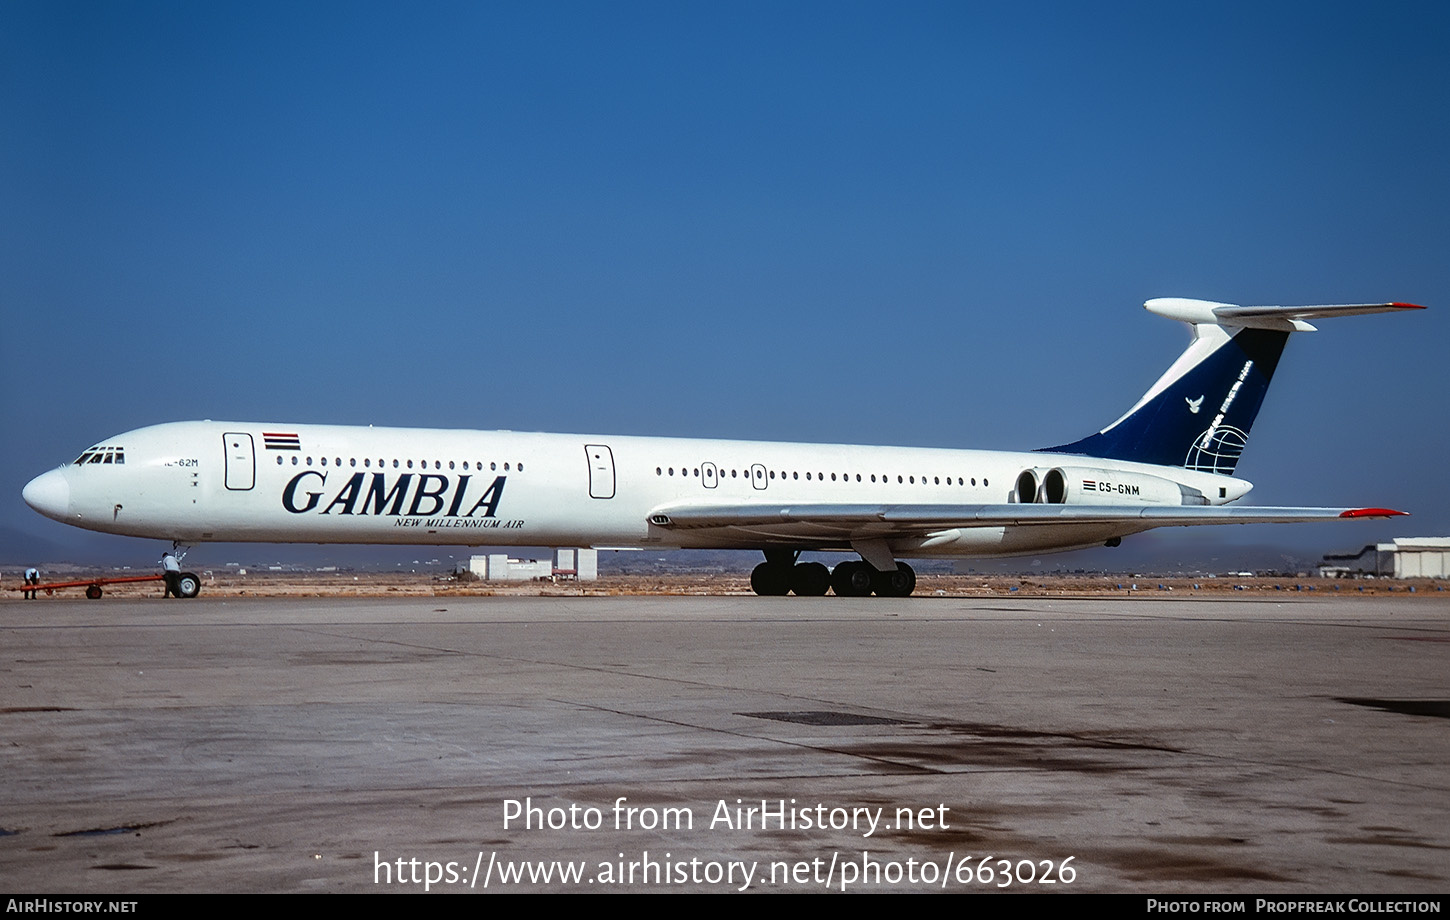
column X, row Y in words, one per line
column 94, row 592
column 852, row 579
column 188, row 585
column 771, row 579
column 810, row 579
column 899, row 583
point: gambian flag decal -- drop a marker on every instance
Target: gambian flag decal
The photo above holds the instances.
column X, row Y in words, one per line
column 277, row 441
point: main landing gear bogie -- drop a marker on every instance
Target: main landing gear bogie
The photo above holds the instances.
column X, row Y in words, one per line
column 777, row 577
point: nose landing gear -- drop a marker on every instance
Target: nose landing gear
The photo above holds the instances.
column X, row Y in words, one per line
column 182, row 584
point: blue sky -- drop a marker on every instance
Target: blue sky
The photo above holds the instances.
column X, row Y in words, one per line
column 888, row 223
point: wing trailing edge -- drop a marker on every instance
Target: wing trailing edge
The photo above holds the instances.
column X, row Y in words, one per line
column 913, row 519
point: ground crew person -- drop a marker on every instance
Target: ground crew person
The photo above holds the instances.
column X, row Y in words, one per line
column 171, row 571
column 32, row 577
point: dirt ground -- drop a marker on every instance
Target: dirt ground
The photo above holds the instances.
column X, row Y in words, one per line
column 391, row 584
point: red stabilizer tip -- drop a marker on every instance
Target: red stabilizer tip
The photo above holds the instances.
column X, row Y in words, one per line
column 1407, row 306
column 1373, row 513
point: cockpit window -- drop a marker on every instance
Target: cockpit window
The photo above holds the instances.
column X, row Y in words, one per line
column 102, row 455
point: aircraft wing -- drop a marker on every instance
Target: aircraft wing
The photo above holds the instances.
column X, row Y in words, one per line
column 875, row 521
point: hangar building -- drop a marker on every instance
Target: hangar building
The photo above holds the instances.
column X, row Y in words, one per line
column 1404, row 557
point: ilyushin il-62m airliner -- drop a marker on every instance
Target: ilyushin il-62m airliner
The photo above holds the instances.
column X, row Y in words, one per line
column 1169, row 461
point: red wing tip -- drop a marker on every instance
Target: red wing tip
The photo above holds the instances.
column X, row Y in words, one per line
column 1372, row 513
column 1407, row 306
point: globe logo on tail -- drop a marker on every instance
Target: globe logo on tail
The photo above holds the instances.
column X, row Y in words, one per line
column 1217, row 450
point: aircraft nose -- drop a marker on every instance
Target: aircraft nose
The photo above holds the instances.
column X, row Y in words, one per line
column 49, row 493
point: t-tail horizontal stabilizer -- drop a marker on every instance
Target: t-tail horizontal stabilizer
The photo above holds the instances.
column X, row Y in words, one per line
column 1198, row 414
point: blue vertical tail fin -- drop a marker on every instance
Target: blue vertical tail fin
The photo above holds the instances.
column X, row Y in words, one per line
column 1198, row 414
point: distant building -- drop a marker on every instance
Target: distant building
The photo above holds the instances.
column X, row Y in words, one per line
column 1404, row 557
column 578, row 564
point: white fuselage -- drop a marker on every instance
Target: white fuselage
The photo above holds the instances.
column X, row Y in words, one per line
column 197, row 482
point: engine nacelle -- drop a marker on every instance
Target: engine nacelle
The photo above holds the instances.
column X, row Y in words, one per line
column 1072, row 485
